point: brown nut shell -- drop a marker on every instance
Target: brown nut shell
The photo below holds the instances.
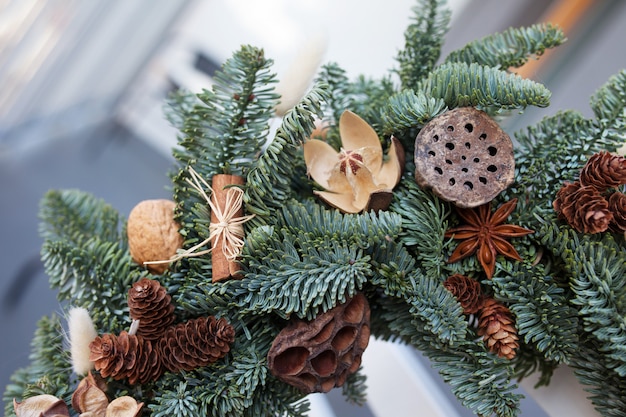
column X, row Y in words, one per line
column 464, row 157
column 153, row 233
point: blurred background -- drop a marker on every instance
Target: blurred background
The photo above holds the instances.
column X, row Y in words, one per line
column 82, row 85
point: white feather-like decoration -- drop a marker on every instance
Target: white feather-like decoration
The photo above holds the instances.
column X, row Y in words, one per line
column 81, row 332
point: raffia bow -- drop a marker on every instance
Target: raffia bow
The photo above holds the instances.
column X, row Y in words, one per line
column 228, row 228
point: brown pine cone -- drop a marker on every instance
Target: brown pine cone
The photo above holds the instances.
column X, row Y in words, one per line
column 125, row 357
column 497, row 327
column 583, row 207
column 604, row 170
column 617, row 206
column 197, row 342
column 150, row 303
column 466, row 290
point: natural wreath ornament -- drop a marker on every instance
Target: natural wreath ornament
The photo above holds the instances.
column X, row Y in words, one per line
column 324, row 265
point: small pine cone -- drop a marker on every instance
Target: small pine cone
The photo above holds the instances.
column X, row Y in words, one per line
column 617, row 206
column 466, row 290
column 497, row 327
column 150, row 303
column 195, row 343
column 583, row 207
column 604, row 170
column 125, row 357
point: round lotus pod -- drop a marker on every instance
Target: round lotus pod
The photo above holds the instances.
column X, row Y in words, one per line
column 153, row 234
column 464, row 157
column 318, row 355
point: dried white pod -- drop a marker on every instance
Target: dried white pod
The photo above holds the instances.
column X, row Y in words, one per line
column 41, row 405
column 124, row 407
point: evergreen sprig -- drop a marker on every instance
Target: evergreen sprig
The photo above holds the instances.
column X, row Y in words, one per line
column 423, row 39
column 510, row 48
column 409, row 110
column 461, row 84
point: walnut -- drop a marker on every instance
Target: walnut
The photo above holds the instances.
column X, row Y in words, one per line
column 153, row 234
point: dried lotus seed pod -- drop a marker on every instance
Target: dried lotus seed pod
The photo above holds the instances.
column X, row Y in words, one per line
column 153, row 233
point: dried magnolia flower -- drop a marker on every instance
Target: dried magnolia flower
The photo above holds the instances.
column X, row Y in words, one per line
column 153, row 234
column 466, row 290
column 89, row 397
column 82, row 332
column 124, row 407
column 357, row 177
column 604, row 170
column 43, row 405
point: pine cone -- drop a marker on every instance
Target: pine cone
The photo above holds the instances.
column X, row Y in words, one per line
column 583, row 207
column 125, row 357
column 604, row 170
column 197, row 342
column 150, row 303
column 466, row 290
column 318, row 355
column 617, row 206
column 497, row 327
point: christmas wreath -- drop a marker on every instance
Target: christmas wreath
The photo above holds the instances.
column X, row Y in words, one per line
column 395, row 208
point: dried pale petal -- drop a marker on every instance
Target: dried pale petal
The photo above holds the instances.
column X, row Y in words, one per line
column 363, row 186
column 372, row 158
column 343, row 202
column 39, row 405
column 320, row 159
column 124, row 407
column 88, row 397
column 357, row 133
column 391, row 170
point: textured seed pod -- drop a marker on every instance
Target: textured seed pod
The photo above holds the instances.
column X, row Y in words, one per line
column 43, row 405
column 195, row 343
column 497, row 327
column 464, row 157
column 318, row 355
column 89, row 397
column 466, row 290
column 583, row 207
column 153, row 233
column 604, row 170
column 150, row 303
column 126, row 357
column 617, row 207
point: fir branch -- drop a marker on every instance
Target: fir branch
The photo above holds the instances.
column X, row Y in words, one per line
column 393, row 267
column 50, row 370
column 543, row 316
column 269, row 183
column 423, row 40
column 424, row 222
column 407, row 109
column 510, row 48
column 461, row 84
column 179, row 107
column 354, row 389
column 605, row 386
column 88, row 275
column 232, row 118
column 77, row 216
column 528, row 362
column 609, row 101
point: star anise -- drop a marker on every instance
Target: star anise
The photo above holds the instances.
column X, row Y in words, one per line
column 486, row 234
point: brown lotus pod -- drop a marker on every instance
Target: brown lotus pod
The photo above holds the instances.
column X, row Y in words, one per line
column 464, row 157
column 153, row 234
column 318, row 355
column 150, row 303
column 617, row 207
column 583, row 207
column 604, row 170
column 466, row 290
column 125, row 357
column 497, row 327
column 195, row 343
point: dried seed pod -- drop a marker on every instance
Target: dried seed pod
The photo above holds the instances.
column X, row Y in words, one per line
column 124, row 407
column 43, row 405
column 464, row 157
column 88, row 397
column 318, row 355
column 153, row 233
